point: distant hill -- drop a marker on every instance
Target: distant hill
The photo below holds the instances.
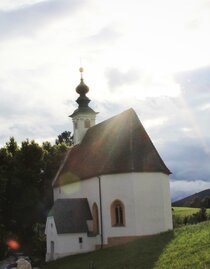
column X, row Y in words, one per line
column 200, row 199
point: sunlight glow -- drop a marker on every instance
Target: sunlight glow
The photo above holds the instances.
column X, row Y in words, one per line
column 155, row 122
column 125, row 60
column 13, row 244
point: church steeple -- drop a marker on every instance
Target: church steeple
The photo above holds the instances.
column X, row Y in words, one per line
column 84, row 116
column 82, row 89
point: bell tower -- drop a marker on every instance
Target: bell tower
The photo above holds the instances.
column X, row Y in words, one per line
column 83, row 117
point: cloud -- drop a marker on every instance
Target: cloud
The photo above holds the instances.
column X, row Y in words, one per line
column 195, row 81
column 195, row 86
column 179, row 131
column 182, row 137
column 181, row 188
column 188, row 159
column 26, row 115
column 14, row 4
column 117, row 78
column 28, row 18
column 106, row 34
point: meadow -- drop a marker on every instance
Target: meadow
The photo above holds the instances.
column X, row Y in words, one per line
column 183, row 248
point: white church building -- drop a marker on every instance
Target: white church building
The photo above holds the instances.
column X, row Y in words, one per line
column 112, row 186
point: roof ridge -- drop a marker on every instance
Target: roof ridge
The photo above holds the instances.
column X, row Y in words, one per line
column 117, row 145
column 131, row 110
column 61, row 166
column 131, row 144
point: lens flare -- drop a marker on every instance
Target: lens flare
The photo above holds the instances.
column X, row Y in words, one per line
column 13, row 244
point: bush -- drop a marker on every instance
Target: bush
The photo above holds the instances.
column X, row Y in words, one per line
column 200, row 216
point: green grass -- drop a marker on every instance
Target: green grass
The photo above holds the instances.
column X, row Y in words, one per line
column 184, row 248
column 186, row 211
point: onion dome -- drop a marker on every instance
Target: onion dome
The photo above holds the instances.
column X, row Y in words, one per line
column 82, row 100
column 82, row 88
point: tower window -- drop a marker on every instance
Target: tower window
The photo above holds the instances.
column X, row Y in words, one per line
column 87, row 123
column 117, row 213
column 75, row 125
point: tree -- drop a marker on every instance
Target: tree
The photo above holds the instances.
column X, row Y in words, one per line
column 64, row 138
column 202, row 215
column 26, row 174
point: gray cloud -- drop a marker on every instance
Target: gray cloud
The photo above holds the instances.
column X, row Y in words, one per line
column 183, row 140
column 182, row 189
column 116, row 78
column 195, row 84
column 183, row 143
column 27, row 19
column 183, row 137
column 23, row 115
column 188, row 159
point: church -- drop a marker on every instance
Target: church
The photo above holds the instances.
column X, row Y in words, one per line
column 112, row 186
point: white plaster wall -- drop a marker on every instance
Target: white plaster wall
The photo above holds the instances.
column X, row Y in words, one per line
column 88, row 188
column 67, row 244
column 52, row 236
column 118, row 187
column 82, row 189
column 152, row 203
column 146, row 197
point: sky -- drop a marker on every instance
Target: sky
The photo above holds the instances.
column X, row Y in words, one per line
column 151, row 55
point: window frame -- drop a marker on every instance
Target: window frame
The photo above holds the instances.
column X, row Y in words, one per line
column 117, row 214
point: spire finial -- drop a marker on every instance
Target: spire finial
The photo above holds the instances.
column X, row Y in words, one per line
column 81, row 71
column 82, row 88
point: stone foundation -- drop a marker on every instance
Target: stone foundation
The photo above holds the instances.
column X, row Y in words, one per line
column 115, row 241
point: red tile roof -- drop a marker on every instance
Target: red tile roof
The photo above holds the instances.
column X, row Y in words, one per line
column 117, row 145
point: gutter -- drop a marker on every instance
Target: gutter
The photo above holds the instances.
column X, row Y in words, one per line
column 101, row 218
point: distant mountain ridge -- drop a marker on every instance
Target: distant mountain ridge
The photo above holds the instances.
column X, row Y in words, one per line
column 200, row 199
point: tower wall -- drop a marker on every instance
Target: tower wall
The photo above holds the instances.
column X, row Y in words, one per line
column 81, row 123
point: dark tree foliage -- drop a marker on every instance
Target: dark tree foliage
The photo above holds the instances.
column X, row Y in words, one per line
column 26, row 174
column 65, row 138
column 195, row 218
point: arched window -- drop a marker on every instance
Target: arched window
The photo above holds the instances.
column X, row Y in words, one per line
column 87, row 123
column 95, row 219
column 117, row 213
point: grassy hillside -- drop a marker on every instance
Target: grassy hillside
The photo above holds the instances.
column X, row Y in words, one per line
column 186, row 211
column 183, row 248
